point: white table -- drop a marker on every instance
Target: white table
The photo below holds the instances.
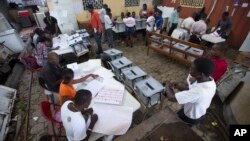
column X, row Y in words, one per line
column 128, row 100
column 61, row 41
column 212, row 38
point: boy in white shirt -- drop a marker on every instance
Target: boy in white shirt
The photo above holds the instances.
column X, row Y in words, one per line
column 198, row 95
column 108, row 27
column 130, row 29
column 77, row 121
column 187, row 23
column 150, row 24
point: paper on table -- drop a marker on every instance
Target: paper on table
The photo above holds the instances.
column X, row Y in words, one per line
column 94, row 87
column 76, row 70
column 95, row 63
column 104, row 73
column 112, row 120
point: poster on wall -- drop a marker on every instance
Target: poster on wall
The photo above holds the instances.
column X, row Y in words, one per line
column 96, row 3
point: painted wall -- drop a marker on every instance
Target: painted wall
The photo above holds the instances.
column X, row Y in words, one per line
column 241, row 23
column 116, row 6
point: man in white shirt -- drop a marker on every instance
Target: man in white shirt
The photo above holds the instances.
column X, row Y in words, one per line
column 108, row 27
column 198, row 96
column 150, row 21
column 102, row 13
column 130, row 29
column 187, row 23
column 198, row 29
column 77, row 121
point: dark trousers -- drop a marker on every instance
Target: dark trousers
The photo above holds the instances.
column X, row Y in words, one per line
column 188, row 120
column 194, row 39
column 98, row 39
column 172, row 28
column 109, row 33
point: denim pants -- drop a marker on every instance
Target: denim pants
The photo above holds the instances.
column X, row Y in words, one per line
column 98, row 42
column 109, row 33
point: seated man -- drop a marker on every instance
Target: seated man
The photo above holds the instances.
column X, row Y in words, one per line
column 198, row 96
column 78, row 121
column 221, row 64
column 52, row 72
column 197, row 30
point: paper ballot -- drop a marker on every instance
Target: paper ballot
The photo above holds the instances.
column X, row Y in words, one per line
column 94, row 87
column 112, row 120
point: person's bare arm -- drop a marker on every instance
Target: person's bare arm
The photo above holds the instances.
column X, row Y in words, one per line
column 93, row 121
column 84, row 78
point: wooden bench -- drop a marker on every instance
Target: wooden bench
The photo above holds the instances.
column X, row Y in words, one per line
column 180, row 50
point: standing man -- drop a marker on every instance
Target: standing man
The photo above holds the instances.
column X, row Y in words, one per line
column 51, row 24
column 96, row 26
column 158, row 21
column 174, row 19
column 224, row 26
column 108, row 27
column 198, row 95
column 102, row 13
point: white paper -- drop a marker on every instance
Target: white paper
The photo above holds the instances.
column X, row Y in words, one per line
column 244, row 5
column 64, row 13
column 104, row 73
column 112, row 120
column 78, row 7
column 248, row 14
column 74, row 67
column 95, row 63
column 245, row 47
column 110, row 96
column 94, row 87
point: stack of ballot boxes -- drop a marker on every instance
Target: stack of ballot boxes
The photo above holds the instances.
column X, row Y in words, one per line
column 132, row 75
column 195, row 51
column 119, row 64
column 180, row 47
column 149, row 91
column 113, row 53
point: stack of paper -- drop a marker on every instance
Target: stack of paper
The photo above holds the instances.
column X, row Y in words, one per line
column 94, row 87
column 110, row 96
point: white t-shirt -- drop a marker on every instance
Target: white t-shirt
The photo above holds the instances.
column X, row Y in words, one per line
column 187, row 23
column 129, row 22
column 102, row 13
column 74, row 123
column 108, row 22
column 199, row 27
column 197, row 99
column 150, row 23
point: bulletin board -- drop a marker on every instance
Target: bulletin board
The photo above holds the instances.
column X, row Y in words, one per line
column 96, row 3
column 192, row 3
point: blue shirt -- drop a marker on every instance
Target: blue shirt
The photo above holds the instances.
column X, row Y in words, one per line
column 158, row 22
column 174, row 18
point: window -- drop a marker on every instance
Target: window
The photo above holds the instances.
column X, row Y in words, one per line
column 131, row 3
column 192, row 3
column 96, row 3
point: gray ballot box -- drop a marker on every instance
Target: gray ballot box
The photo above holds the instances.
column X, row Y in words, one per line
column 132, row 74
column 113, row 53
column 119, row 64
column 149, row 91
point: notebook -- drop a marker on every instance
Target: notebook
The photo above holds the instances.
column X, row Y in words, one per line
column 110, row 96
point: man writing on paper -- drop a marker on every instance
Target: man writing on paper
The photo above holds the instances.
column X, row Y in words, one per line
column 78, row 121
column 198, row 29
column 96, row 26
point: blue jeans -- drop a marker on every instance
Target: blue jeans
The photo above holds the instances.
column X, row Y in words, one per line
column 98, row 42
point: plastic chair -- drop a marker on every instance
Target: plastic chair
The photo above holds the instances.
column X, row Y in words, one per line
column 53, row 117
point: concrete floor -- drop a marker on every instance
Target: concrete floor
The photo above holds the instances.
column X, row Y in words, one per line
column 156, row 65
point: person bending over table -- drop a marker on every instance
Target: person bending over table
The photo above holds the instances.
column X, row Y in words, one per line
column 51, row 24
column 66, row 90
column 221, row 64
column 198, row 29
column 158, row 21
column 130, row 29
column 78, row 121
column 224, row 26
column 198, row 95
column 187, row 23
